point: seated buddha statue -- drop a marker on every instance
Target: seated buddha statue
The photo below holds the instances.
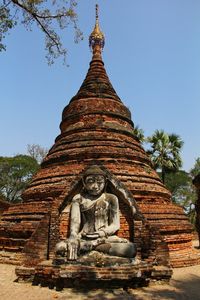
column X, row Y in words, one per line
column 94, row 221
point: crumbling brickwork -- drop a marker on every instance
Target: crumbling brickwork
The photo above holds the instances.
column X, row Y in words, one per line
column 97, row 128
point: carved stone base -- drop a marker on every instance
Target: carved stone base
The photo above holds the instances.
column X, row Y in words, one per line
column 97, row 259
column 78, row 275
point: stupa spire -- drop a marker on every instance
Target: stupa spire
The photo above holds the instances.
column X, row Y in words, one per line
column 97, row 38
column 96, row 84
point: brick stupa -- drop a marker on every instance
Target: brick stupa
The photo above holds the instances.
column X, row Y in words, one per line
column 96, row 127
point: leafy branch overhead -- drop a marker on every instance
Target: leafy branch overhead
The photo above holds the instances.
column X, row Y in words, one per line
column 50, row 16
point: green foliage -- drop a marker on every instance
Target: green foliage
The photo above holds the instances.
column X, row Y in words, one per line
column 165, row 156
column 183, row 192
column 174, row 180
column 186, row 197
column 50, row 16
column 139, row 133
column 15, row 174
column 196, row 169
column 165, row 152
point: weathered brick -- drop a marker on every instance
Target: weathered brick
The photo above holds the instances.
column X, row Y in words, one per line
column 96, row 127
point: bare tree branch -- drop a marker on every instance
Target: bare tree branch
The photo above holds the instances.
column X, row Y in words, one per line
column 37, row 11
column 36, row 17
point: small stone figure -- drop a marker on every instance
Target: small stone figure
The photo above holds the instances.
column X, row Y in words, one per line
column 94, row 221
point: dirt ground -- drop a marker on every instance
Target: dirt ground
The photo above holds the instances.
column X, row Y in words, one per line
column 185, row 284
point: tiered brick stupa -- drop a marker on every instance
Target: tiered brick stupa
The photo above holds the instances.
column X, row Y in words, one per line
column 96, row 127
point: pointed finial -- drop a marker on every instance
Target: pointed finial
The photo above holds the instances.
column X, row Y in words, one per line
column 97, row 39
column 97, row 12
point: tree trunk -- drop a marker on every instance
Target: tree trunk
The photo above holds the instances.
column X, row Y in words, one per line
column 163, row 175
column 197, row 221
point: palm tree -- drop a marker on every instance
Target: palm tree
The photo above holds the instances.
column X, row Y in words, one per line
column 196, row 169
column 139, row 133
column 165, row 152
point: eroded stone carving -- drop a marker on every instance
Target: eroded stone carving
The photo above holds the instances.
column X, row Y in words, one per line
column 94, row 221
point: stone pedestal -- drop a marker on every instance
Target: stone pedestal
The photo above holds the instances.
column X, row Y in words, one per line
column 78, row 275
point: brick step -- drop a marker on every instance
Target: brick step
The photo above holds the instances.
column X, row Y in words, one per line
column 151, row 208
column 170, row 222
column 18, row 230
column 178, row 238
column 165, row 216
column 182, row 238
column 186, row 257
column 10, row 242
column 23, row 217
column 27, row 208
column 11, row 258
column 185, row 228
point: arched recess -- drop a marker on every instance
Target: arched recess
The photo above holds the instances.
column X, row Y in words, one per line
column 127, row 205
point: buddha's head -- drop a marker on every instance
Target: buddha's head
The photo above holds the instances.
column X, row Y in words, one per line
column 94, row 180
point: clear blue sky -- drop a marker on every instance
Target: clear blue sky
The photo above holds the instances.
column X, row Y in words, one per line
column 152, row 56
